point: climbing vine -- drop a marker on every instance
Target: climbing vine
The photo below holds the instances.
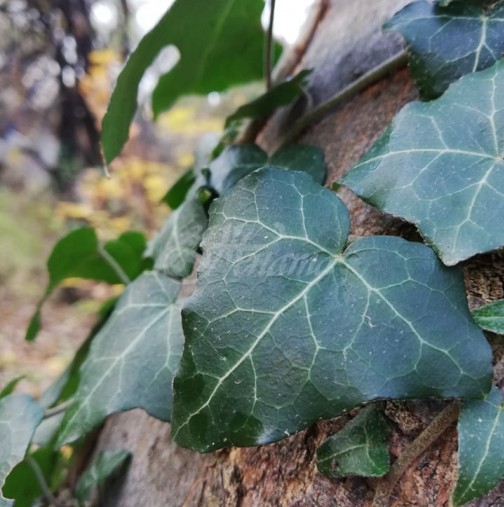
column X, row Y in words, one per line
column 292, row 321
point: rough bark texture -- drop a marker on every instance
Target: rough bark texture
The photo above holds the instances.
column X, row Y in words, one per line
column 347, row 43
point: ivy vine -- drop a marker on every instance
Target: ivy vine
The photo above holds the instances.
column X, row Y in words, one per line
column 291, row 322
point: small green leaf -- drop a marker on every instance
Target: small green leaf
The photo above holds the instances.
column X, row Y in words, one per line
column 446, row 43
column 174, row 248
column 360, row 448
column 208, row 35
column 481, row 447
column 440, row 165
column 301, row 157
column 491, row 316
column 80, row 255
column 19, row 417
column 23, row 486
column 280, row 95
column 237, row 161
column 234, row 163
column 132, row 359
column 105, row 465
column 287, row 327
column 10, row 386
column 177, row 194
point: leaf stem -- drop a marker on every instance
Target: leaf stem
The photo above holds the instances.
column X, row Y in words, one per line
column 113, row 264
column 397, row 61
column 51, row 412
column 46, row 491
column 268, row 47
column 428, row 436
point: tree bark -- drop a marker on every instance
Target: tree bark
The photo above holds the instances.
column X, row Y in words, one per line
column 347, row 43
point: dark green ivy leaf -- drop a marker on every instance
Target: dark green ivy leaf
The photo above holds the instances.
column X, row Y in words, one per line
column 360, row 448
column 481, row 447
column 19, row 417
column 445, row 43
column 132, row 359
column 80, row 255
column 280, row 95
column 491, row 316
column 237, row 161
column 209, row 36
column 301, row 157
column 174, row 248
column 288, row 327
column 105, row 465
column 22, row 484
column 440, row 166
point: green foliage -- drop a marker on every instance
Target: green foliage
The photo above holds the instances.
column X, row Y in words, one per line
column 174, row 248
column 267, row 352
column 19, row 417
column 238, row 161
column 178, row 192
column 132, row 359
column 491, row 316
column 447, row 43
column 440, row 167
column 481, row 447
column 360, row 448
column 105, row 465
column 22, row 484
column 10, row 386
column 280, row 95
column 290, row 323
column 201, row 31
column 81, row 255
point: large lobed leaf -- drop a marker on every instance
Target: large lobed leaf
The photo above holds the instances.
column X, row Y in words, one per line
column 220, row 44
column 19, row 417
column 445, row 43
column 132, row 359
column 481, row 447
column 440, row 165
column 360, row 448
column 287, row 326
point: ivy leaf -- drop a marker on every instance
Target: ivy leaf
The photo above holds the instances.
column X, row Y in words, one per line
column 280, row 95
column 360, row 448
column 19, row 417
column 105, row 465
column 132, row 359
column 288, row 327
column 301, row 157
column 490, row 316
column 440, row 166
column 22, row 484
column 481, row 447
column 80, row 255
column 208, row 36
column 174, row 248
column 446, row 43
column 237, row 161
column 234, row 163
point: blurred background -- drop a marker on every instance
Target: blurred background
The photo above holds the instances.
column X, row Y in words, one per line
column 58, row 64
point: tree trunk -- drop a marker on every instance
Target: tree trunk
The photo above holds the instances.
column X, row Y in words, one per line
column 347, row 42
